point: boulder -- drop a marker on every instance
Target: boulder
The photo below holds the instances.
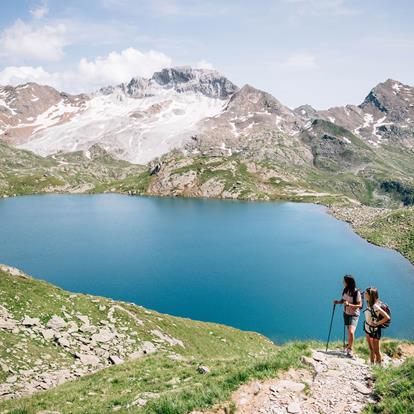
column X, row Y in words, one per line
column 28, row 321
column 362, row 388
column 148, row 347
column 202, row 369
column 87, row 359
column 48, row 334
column 56, row 323
column 103, row 336
column 84, row 319
column 115, row 359
column 7, row 324
column 63, row 342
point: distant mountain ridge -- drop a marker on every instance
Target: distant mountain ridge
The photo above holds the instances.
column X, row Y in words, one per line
column 197, row 110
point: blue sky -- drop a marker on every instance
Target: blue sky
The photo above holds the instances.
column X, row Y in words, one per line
column 320, row 52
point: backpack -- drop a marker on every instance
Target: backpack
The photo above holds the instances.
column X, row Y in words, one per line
column 355, row 296
column 387, row 310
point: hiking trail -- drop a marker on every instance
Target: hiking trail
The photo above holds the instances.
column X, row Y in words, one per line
column 335, row 384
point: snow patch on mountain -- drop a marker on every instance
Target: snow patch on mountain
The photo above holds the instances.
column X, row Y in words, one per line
column 134, row 129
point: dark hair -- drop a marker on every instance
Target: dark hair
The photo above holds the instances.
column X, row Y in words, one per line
column 372, row 296
column 350, row 285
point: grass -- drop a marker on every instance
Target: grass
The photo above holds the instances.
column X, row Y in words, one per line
column 395, row 230
column 394, row 388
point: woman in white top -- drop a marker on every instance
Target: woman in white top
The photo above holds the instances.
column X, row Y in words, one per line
column 352, row 301
column 375, row 317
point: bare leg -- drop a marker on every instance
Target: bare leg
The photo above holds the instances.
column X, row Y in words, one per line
column 377, row 351
column 371, row 349
column 351, row 336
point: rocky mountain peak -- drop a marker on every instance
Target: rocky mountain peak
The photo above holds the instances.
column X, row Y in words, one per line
column 390, row 96
column 249, row 99
column 181, row 79
column 306, row 111
column 206, row 81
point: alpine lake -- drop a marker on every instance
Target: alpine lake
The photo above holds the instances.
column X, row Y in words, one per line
column 268, row 267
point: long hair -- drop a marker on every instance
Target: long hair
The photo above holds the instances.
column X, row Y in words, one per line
column 350, row 285
column 372, row 296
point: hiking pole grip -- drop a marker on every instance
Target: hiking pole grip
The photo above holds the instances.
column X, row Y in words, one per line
column 330, row 327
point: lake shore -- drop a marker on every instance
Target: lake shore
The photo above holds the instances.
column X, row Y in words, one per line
column 383, row 227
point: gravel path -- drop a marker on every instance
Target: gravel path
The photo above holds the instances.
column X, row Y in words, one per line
column 334, row 385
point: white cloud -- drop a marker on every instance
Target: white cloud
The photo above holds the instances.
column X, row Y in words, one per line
column 300, row 61
column 322, row 7
column 40, row 10
column 120, row 67
column 23, row 41
column 203, row 64
column 15, row 75
column 115, row 68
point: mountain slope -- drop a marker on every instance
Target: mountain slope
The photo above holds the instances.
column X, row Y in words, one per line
column 23, row 172
column 157, row 358
column 136, row 121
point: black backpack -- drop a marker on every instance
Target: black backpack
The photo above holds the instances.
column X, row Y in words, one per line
column 387, row 310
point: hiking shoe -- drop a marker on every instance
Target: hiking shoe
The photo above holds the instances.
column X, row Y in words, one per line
column 349, row 353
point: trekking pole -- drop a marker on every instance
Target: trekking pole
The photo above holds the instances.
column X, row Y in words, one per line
column 330, row 327
column 343, row 340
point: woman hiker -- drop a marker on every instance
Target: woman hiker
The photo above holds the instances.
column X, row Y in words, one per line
column 352, row 301
column 375, row 317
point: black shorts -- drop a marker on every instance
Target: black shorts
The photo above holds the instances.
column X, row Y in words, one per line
column 373, row 332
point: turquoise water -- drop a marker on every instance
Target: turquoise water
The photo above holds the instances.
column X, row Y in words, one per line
column 268, row 267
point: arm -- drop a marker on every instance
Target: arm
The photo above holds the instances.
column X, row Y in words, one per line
column 385, row 317
column 357, row 305
column 338, row 302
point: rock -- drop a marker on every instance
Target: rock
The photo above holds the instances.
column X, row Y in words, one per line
column 164, row 337
column 56, row 323
column 293, row 408
column 63, row 342
column 87, row 359
column 12, row 379
column 7, row 324
column 318, row 356
column 202, row 369
column 48, row 334
column 72, row 327
column 103, row 336
column 84, row 319
column 116, row 360
column 140, row 401
column 88, row 329
column 362, row 388
column 256, row 388
column 48, row 412
column 148, row 347
column 27, row 321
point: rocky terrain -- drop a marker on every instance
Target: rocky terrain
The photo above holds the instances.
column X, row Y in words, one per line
column 334, row 384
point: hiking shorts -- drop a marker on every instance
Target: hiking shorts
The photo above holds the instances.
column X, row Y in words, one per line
column 374, row 333
column 350, row 320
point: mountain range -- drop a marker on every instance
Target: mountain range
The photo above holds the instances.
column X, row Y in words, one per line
column 215, row 139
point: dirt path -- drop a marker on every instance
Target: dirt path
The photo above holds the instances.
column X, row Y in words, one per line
column 334, row 385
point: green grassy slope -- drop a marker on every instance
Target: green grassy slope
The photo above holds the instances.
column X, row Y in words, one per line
column 395, row 230
column 23, row 172
column 167, row 379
